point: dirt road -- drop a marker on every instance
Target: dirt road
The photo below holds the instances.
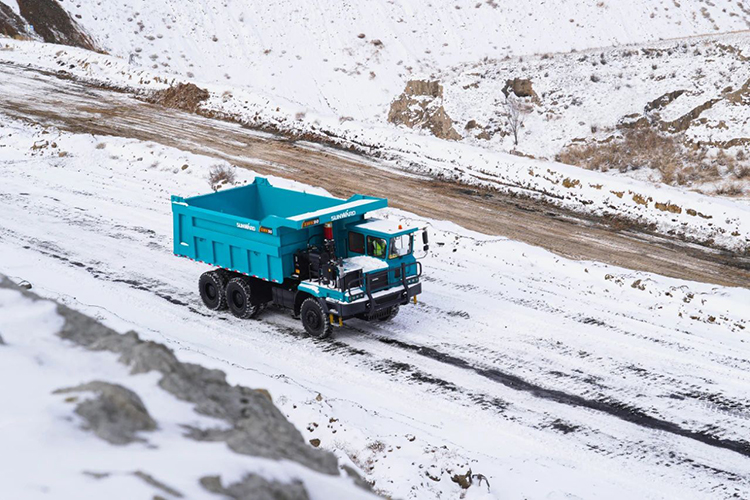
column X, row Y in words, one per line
column 81, row 108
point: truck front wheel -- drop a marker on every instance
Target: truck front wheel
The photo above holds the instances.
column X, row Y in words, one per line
column 239, row 294
column 314, row 319
column 392, row 312
column 211, row 286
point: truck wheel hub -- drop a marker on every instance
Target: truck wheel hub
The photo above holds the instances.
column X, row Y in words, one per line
column 238, row 300
column 312, row 319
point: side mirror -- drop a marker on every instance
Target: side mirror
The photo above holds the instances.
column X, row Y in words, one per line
column 425, row 240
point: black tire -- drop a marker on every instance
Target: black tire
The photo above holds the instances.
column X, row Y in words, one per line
column 392, row 313
column 211, row 286
column 239, row 295
column 315, row 319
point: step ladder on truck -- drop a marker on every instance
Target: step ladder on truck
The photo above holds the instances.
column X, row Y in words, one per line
column 315, row 255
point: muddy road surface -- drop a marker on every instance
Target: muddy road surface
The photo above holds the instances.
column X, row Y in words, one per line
column 82, row 108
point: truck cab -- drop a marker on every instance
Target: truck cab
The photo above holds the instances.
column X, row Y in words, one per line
column 376, row 273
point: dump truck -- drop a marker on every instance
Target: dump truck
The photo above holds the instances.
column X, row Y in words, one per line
column 318, row 256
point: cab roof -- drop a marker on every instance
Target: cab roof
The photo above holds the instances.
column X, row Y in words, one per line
column 382, row 227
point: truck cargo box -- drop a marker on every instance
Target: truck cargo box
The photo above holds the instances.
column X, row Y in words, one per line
column 256, row 229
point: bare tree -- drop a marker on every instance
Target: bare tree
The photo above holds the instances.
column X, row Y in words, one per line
column 514, row 112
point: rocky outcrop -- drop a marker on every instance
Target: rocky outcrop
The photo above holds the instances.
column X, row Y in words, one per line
column 253, row 486
column 663, row 100
column 682, row 123
column 115, row 414
column 521, row 87
column 12, row 25
column 255, row 426
column 184, row 96
column 420, row 106
column 53, row 24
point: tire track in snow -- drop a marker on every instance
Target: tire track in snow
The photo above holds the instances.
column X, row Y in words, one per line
column 610, row 406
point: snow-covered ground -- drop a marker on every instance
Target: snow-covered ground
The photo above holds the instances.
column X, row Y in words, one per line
column 353, row 57
column 572, row 106
column 553, row 378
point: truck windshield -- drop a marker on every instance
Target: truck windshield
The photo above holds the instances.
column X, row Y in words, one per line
column 400, row 246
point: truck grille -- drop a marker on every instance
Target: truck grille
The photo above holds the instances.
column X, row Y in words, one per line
column 378, row 281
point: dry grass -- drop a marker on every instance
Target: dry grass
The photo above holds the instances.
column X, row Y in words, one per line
column 730, row 189
column 647, row 148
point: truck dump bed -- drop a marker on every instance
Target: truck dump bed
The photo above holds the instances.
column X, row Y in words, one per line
column 256, row 229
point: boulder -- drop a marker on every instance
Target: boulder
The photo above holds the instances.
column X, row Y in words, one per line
column 420, row 106
column 115, row 414
column 521, row 87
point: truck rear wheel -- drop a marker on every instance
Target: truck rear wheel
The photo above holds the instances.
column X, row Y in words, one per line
column 238, row 296
column 314, row 319
column 211, row 286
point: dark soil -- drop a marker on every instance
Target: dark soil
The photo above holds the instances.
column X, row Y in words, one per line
column 184, row 96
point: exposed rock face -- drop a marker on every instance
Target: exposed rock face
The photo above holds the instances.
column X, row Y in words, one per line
column 184, row 96
column 521, row 87
column 663, row 100
column 116, row 414
column 11, row 24
column 255, row 487
column 421, row 107
column 53, row 24
column 2, row 342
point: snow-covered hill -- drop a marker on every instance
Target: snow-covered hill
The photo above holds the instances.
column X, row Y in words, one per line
column 351, row 58
column 692, row 94
column 347, row 61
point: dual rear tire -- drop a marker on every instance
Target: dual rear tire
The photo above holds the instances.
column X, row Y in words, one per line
column 220, row 291
column 240, row 298
column 212, row 286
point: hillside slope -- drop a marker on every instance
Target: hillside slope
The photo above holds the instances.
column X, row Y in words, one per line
column 352, row 58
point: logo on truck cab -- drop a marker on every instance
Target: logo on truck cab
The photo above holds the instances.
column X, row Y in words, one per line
column 344, row 215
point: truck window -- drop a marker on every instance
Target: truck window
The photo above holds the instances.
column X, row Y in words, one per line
column 376, row 247
column 400, row 246
column 356, row 243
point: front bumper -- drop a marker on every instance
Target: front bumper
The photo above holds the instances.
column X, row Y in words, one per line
column 380, row 301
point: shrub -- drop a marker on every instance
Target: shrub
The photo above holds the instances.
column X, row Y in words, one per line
column 730, row 189
column 220, row 175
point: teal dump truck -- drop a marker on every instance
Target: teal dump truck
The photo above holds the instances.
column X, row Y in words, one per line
column 315, row 255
